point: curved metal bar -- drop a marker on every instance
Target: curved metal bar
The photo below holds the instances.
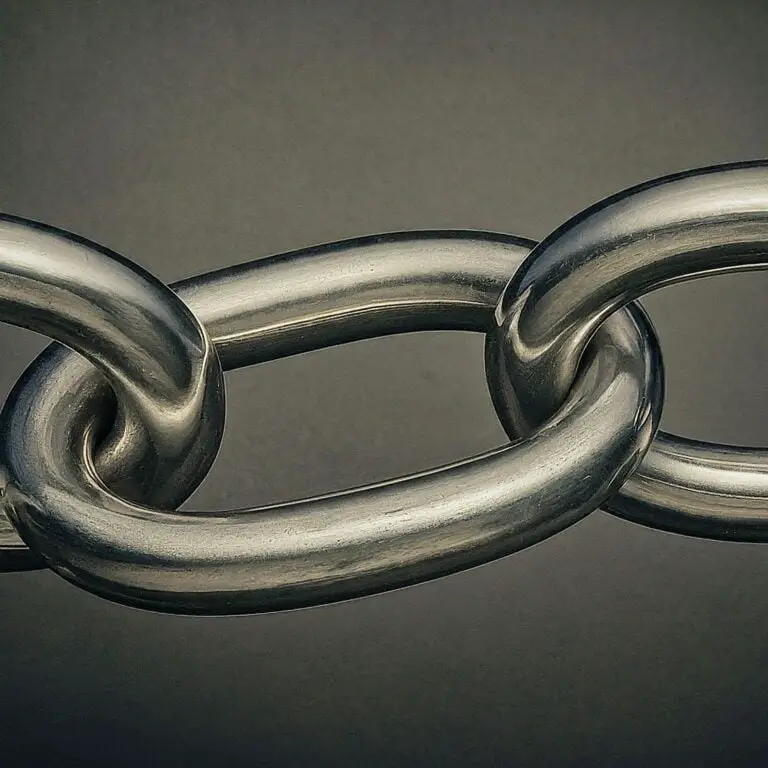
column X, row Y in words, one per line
column 345, row 544
column 703, row 222
column 142, row 339
column 698, row 488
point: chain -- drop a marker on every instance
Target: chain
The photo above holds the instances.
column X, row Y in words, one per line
column 114, row 426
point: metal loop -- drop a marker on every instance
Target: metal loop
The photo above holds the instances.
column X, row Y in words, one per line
column 703, row 222
column 344, row 544
column 155, row 355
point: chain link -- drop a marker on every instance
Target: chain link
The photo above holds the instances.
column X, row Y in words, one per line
column 709, row 221
column 98, row 451
column 142, row 351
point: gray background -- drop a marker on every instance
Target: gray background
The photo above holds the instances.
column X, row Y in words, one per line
column 190, row 136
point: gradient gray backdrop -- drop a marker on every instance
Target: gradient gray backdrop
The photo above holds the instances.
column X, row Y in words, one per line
column 189, row 136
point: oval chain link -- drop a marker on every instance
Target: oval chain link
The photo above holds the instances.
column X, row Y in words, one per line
column 703, row 222
column 344, row 544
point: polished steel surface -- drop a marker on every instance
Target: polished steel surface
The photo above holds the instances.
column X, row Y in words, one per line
column 703, row 222
column 693, row 487
column 345, row 544
column 150, row 349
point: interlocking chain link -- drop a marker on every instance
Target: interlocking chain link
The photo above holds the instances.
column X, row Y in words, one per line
column 145, row 348
column 96, row 460
column 684, row 226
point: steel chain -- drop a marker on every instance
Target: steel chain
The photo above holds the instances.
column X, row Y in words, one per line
column 99, row 448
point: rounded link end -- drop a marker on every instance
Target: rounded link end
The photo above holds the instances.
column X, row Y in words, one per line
column 135, row 332
column 700, row 222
